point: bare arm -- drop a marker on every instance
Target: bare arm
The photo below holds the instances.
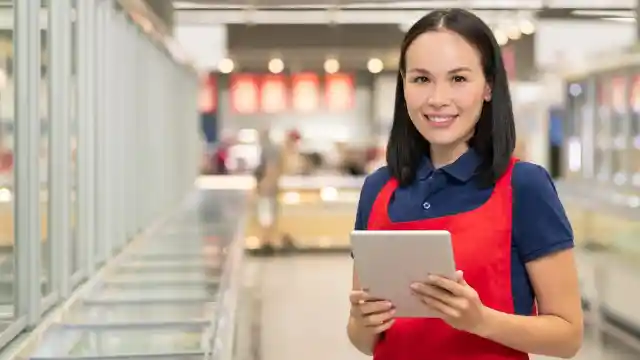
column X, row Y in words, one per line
column 558, row 329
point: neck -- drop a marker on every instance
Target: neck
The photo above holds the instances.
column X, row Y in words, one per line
column 445, row 155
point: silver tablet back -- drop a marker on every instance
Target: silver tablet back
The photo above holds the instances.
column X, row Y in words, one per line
column 388, row 262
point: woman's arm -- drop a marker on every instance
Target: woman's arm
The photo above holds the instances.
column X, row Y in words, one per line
column 557, row 330
column 362, row 339
column 543, row 238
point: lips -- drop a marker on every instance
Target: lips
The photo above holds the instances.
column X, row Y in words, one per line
column 440, row 118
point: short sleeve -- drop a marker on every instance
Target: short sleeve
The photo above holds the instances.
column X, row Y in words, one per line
column 368, row 194
column 540, row 223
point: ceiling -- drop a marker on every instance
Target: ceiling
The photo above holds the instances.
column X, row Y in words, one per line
column 407, row 4
column 306, row 32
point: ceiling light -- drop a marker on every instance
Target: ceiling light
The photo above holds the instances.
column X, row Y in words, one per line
column 331, row 66
column 513, row 33
column 226, row 66
column 276, row 66
column 375, row 65
column 527, row 27
column 500, row 36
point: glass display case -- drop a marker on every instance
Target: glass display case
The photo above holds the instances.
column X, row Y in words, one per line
column 95, row 342
column 171, row 295
column 579, row 126
column 634, row 125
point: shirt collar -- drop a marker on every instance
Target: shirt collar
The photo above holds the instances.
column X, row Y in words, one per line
column 462, row 169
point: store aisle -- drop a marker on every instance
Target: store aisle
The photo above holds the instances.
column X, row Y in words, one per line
column 305, row 307
column 304, row 310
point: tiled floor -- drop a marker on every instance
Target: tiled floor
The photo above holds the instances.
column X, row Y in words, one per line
column 305, row 308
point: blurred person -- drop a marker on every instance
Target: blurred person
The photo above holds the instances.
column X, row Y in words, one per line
column 450, row 167
column 273, row 163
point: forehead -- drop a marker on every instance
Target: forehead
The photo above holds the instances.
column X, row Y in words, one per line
column 441, row 51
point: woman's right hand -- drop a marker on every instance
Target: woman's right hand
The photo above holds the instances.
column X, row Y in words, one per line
column 373, row 315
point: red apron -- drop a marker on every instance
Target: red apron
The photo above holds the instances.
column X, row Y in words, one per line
column 482, row 249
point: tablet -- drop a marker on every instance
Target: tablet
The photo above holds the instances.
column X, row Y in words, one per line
column 388, row 262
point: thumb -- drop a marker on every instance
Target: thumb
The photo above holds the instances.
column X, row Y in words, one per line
column 460, row 277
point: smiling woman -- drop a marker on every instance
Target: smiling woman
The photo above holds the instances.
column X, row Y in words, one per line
column 451, row 167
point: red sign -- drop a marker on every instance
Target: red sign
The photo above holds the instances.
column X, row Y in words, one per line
column 244, row 93
column 304, row 89
column 509, row 60
column 208, row 94
column 617, row 93
column 339, row 91
column 273, row 94
column 635, row 94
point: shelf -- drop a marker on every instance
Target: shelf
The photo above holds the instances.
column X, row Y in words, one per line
column 148, row 313
column 156, row 291
column 101, row 342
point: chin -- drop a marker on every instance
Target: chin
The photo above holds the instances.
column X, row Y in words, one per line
column 443, row 140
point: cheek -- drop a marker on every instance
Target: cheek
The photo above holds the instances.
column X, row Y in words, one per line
column 471, row 102
column 414, row 97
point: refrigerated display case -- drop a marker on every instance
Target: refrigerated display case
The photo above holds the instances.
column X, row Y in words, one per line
column 600, row 189
column 170, row 295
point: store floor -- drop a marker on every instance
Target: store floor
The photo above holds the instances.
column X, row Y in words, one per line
column 305, row 306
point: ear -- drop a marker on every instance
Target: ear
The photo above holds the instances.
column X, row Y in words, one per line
column 487, row 93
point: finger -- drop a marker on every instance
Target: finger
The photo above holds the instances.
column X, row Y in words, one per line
column 384, row 327
column 380, row 318
column 452, row 286
column 440, row 307
column 374, row 307
column 443, row 296
column 357, row 297
column 433, row 291
column 460, row 278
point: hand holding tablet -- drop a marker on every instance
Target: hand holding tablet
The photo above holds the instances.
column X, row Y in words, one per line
column 371, row 313
column 389, row 262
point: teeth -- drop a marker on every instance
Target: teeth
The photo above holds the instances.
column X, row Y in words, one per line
column 440, row 119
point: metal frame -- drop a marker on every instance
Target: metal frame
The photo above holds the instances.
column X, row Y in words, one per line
column 59, row 32
column 137, row 127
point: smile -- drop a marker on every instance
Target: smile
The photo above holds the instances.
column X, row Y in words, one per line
column 440, row 119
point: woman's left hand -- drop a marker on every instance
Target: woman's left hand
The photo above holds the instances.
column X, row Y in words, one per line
column 456, row 301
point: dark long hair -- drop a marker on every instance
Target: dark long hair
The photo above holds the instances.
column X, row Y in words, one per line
column 494, row 137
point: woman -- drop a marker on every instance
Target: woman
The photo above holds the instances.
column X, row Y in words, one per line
column 450, row 167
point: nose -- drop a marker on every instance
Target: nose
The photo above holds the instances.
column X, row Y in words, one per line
column 440, row 95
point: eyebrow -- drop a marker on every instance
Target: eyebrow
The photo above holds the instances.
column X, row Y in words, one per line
column 452, row 71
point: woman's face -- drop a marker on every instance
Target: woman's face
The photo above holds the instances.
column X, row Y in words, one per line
column 444, row 87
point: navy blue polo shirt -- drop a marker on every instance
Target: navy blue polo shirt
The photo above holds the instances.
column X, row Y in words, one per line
column 540, row 225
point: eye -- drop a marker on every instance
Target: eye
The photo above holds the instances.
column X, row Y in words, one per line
column 458, row 79
column 420, row 79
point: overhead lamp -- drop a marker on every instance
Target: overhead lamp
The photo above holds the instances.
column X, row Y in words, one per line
column 500, row 36
column 331, row 66
column 513, row 33
column 226, row 66
column 527, row 27
column 375, row 65
column 276, row 66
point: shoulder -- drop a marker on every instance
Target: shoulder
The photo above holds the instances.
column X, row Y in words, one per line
column 373, row 183
column 528, row 176
column 540, row 224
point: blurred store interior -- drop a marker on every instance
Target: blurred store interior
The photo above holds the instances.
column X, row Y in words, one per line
column 131, row 132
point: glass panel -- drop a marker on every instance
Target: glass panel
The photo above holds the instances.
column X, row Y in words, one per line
column 157, row 290
column 7, row 239
column 97, row 343
column 634, row 156
column 619, row 130
column 141, row 313
column 603, row 138
column 576, row 100
column 73, row 135
column 44, row 160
